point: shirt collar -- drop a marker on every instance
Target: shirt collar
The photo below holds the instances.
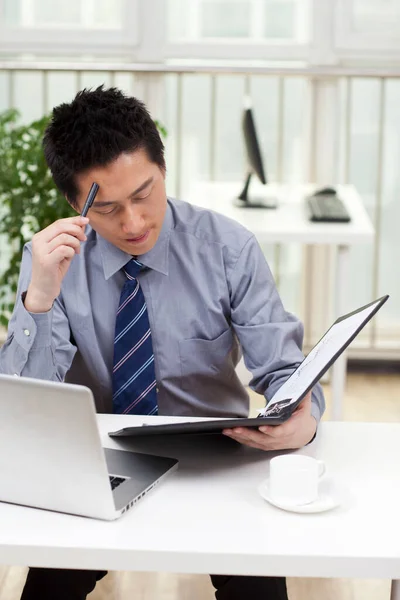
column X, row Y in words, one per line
column 157, row 258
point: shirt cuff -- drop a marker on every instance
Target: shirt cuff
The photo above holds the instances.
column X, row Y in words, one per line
column 33, row 330
column 315, row 411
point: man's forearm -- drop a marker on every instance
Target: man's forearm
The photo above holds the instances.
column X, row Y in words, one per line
column 29, row 350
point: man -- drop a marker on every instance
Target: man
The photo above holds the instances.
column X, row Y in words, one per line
column 150, row 304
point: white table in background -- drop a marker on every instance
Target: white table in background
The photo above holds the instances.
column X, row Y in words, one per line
column 289, row 223
column 207, row 517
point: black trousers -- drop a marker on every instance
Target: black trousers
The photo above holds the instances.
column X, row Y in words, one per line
column 63, row 584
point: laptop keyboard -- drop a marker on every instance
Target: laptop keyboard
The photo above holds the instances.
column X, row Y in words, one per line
column 116, row 481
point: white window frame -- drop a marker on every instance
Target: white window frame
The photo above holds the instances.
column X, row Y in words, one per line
column 235, row 48
column 68, row 41
column 144, row 39
column 351, row 44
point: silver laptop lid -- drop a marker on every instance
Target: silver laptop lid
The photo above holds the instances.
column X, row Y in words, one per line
column 50, row 450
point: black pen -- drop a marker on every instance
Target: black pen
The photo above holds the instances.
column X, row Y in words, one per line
column 90, row 199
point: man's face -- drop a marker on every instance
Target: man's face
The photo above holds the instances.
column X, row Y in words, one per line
column 130, row 205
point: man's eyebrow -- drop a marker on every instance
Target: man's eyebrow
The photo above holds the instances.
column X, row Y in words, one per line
column 143, row 186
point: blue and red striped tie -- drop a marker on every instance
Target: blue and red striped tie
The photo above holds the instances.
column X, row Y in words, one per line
column 134, row 381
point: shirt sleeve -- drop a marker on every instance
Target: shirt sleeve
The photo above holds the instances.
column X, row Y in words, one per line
column 270, row 337
column 38, row 344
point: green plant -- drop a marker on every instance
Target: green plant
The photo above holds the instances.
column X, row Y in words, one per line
column 29, row 200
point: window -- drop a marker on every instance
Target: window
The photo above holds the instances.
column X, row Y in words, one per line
column 367, row 26
column 68, row 26
column 376, row 16
column 99, row 14
column 237, row 28
column 243, row 19
column 305, row 31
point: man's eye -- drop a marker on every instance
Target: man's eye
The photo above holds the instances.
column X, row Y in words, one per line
column 143, row 197
column 106, row 212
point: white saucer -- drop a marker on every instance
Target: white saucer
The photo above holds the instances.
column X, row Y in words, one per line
column 329, row 498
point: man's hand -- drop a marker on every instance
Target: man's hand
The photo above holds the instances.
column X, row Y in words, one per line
column 296, row 432
column 53, row 249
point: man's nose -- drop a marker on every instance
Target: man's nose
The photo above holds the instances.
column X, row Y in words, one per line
column 132, row 221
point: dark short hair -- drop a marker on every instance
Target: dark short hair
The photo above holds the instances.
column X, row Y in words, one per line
column 93, row 130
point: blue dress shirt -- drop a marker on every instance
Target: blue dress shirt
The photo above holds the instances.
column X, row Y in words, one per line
column 210, row 295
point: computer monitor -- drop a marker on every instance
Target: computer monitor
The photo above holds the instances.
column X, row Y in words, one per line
column 254, row 166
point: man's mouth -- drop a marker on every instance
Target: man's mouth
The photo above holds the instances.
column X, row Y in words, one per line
column 138, row 239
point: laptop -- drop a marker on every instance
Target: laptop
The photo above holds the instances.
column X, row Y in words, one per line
column 51, row 455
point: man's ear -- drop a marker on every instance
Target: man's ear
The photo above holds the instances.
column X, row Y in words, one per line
column 73, row 206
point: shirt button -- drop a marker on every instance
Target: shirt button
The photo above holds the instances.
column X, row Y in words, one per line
column 157, row 389
column 27, row 332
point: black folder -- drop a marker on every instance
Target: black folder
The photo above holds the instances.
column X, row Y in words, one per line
column 290, row 394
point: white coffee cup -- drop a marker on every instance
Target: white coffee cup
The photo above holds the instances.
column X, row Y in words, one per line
column 294, row 479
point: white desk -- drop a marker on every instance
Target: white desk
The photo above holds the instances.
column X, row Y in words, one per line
column 290, row 223
column 208, row 518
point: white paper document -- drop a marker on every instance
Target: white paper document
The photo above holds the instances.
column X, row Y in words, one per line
column 314, row 364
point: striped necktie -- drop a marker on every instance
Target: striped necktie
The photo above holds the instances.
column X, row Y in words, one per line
column 134, row 381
